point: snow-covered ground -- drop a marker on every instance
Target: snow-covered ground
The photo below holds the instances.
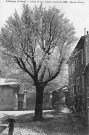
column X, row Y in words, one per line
column 17, row 113
column 14, row 113
column 23, row 131
column 65, row 110
column 18, row 130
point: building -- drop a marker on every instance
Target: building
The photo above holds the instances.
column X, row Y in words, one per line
column 78, row 71
column 14, row 97
column 8, row 90
column 10, row 96
column 59, row 96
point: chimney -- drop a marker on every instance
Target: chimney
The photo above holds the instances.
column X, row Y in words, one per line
column 84, row 31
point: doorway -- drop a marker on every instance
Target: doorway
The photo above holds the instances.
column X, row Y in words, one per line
column 20, row 105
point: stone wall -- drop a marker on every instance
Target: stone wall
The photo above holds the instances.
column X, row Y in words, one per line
column 31, row 97
column 6, row 98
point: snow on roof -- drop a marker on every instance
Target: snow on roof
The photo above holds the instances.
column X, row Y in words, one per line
column 4, row 81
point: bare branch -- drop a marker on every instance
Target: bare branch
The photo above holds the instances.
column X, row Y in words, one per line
column 55, row 74
column 22, row 66
column 42, row 74
column 40, row 64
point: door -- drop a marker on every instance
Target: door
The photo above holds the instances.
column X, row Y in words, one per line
column 20, row 105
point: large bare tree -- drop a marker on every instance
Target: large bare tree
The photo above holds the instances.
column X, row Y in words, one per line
column 37, row 42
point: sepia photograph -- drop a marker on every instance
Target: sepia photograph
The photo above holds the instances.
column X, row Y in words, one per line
column 44, row 69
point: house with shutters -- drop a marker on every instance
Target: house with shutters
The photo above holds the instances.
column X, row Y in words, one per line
column 78, row 71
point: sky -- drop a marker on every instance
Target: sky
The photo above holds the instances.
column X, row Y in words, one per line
column 75, row 10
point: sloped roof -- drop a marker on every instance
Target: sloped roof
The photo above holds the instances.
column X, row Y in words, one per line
column 75, row 51
column 4, row 81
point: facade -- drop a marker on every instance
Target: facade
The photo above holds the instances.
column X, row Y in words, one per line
column 78, row 71
column 7, row 94
column 59, row 96
column 31, row 97
column 10, row 97
column 20, row 102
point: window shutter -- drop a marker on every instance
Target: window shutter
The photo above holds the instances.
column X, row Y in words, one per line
column 82, row 56
column 82, row 83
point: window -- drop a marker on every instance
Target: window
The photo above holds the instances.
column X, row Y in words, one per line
column 77, row 62
column 82, row 83
column 87, row 80
column 78, row 84
column 84, row 104
column 70, row 70
column 82, row 56
column 72, row 67
column 72, row 89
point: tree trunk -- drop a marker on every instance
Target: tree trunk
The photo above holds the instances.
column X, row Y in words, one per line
column 39, row 103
